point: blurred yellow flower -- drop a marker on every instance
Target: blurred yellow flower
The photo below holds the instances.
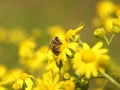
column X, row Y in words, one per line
column 3, row 35
column 16, row 35
column 108, row 24
column 3, row 71
column 87, row 60
column 24, row 82
column 51, row 66
column 105, row 8
column 12, row 74
column 10, row 77
column 99, row 33
column 116, row 22
column 116, row 26
column 49, row 82
column 39, row 59
column 26, row 48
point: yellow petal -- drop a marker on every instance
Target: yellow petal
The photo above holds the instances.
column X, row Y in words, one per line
column 98, row 46
column 86, row 46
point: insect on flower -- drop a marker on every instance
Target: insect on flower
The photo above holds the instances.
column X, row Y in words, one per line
column 55, row 45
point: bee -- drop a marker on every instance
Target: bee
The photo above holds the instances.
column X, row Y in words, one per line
column 55, row 45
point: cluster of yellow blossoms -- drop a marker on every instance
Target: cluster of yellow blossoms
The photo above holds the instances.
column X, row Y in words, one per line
column 67, row 63
column 107, row 20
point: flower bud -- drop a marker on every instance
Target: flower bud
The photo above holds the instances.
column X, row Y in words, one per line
column 116, row 26
column 99, row 33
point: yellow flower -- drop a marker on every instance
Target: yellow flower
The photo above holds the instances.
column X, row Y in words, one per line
column 18, row 80
column 90, row 61
column 51, row 66
column 116, row 26
column 3, row 71
column 105, row 8
column 108, row 24
column 67, row 50
column 3, row 35
column 71, row 34
column 39, row 59
column 23, row 82
column 64, row 47
column 49, row 82
column 99, row 33
column 26, row 48
column 16, row 35
column 12, row 74
column 116, row 21
column 31, row 59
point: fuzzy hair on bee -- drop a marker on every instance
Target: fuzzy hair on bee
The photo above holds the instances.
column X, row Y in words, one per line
column 55, row 45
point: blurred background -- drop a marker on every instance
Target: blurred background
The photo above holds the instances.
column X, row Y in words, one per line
column 27, row 15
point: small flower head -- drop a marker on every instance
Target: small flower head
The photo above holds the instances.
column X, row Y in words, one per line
column 105, row 8
column 3, row 71
column 26, row 48
column 116, row 26
column 64, row 47
column 49, row 81
column 108, row 24
column 86, row 61
column 24, row 82
column 99, row 33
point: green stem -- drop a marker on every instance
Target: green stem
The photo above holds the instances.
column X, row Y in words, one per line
column 111, row 79
column 60, row 77
column 106, row 39
column 111, row 38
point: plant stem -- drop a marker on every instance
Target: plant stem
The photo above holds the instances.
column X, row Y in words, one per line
column 111, row 38
column 106, row 39
column 111, row 79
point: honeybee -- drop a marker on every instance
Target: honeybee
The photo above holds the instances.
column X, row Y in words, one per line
column 55, row 45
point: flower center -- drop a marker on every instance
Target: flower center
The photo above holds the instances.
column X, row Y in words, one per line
column 88, row 56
